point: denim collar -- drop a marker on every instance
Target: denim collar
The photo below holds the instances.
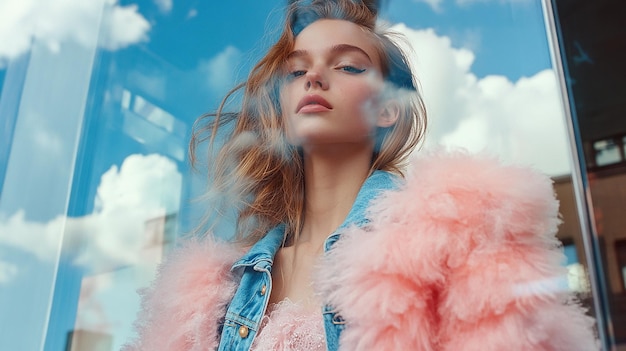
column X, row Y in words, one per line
column 264, row 249
column 374, row 185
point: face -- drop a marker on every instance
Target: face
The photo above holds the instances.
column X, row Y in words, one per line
column 332, row 84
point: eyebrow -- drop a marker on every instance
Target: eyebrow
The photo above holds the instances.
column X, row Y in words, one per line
column 335, row 49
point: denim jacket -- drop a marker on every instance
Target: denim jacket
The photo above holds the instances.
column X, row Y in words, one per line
column 250, row 301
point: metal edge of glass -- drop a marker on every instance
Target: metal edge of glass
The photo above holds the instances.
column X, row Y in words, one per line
column 581, row 188
column 93, row 49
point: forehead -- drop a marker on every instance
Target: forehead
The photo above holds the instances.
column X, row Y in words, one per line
column 324, row 34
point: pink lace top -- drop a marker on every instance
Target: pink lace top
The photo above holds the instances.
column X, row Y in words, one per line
column 289, row 327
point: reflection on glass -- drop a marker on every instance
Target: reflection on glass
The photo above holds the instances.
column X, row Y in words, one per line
column 589, row 38
column 607, row 152
column 576, row 273
column 152, row 126
column 570, row 235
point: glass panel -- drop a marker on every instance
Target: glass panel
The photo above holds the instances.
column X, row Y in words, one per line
column 590, row 38
column 97, row 113
column 51, row 90
column 95, row 182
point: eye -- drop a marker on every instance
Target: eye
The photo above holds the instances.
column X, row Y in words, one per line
column 352, row 69
column 296, row 74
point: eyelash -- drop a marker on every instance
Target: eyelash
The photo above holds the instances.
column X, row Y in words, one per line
column 347, row 69
column 352, row 69
column 296, row 74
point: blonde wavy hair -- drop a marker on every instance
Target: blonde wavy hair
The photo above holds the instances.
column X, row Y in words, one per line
column 256, row 166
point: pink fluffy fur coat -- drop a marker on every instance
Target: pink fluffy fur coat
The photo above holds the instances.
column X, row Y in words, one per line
column 463, row 257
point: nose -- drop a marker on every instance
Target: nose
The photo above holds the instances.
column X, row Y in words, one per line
column 315, row 79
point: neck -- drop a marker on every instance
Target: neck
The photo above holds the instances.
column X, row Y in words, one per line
column 333, row 177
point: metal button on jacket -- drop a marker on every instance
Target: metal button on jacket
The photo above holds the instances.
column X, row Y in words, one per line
column 243, row 331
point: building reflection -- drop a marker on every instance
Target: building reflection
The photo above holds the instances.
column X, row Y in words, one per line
column 97, row 317
column 591, row 39
column 87, row 340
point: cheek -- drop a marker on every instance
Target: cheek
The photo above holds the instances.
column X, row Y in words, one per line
column 368, row 88
column 368, row 104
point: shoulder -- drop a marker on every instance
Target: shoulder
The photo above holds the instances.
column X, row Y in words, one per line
column 476, row 197
column 193, row 265
column 194, row 255
column 450, row 204
column 195, row 277
column 440, row 171
column 453, row 247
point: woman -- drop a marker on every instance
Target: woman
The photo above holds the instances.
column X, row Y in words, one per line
column 335, row 250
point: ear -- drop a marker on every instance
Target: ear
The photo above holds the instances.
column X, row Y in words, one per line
column 388, row 114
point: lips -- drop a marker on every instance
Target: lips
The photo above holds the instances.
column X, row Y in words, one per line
column 313, row 103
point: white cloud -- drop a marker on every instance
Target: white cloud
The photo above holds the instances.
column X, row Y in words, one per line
column 444, row 74
column 165, row 6
column 48, row 141
column 520, row 121
column 437, row 5
column 192, row 13
column 55, row 22
column 469, row 2
column 40, row 239
column 150, row 181
column 143, row 188
column 122, row 27
column 221, row 69
column 434, row 4
column 8, row 271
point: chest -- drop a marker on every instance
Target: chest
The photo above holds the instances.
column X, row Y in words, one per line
column 292, row 276
column 251, row 301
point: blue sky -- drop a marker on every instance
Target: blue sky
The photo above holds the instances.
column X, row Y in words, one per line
column 508, row 37
column 158, row 66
